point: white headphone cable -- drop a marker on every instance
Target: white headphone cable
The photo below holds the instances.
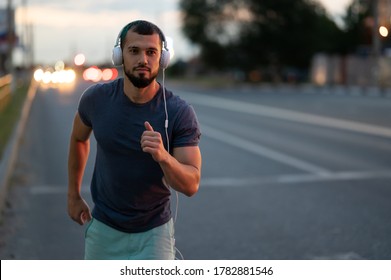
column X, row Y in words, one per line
column 168, row 140
column 168, row 149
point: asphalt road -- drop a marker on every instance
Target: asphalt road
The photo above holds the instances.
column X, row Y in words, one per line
column 288, row 173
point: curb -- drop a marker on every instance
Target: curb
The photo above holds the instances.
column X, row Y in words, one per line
column 7, row 164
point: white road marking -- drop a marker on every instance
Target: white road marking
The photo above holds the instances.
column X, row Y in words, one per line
column 234, row 182
column 293, row 179
column 338, row 256
column 261, row 110
column 54, row 189
column 257, row 149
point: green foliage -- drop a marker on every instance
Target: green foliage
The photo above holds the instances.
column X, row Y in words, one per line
column 357, row 26
column 253, row 34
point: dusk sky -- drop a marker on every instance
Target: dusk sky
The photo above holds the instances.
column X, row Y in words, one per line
column 64, row 28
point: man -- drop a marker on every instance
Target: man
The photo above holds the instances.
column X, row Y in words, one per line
column 133, row 170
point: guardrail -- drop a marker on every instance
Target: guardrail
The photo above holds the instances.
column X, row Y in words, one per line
column 5, row 90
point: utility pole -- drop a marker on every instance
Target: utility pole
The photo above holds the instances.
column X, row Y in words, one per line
column 376, row 47
column 25, row 35
column 10, row 37
column 31, row 45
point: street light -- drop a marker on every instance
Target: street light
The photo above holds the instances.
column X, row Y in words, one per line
column 80, row 59
column 383, row 31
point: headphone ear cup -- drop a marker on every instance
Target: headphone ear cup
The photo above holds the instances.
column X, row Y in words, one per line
column 164, row 59
column 116, row 56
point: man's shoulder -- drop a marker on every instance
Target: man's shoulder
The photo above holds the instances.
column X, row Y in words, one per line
column 180, row 109
column 175, row 100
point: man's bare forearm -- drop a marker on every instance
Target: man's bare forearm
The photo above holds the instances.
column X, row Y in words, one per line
column 77, row 160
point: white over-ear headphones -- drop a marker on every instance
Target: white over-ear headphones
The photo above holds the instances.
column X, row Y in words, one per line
column 117, row 50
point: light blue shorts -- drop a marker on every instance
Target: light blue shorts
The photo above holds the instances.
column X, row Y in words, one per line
column 106, row 243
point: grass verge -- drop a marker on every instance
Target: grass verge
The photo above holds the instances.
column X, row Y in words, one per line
column 10, row 113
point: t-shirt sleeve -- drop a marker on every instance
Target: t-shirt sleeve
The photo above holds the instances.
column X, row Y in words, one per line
column 85, row 107
column 187, row 128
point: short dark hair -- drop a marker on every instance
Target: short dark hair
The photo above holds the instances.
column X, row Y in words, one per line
column 142, row 27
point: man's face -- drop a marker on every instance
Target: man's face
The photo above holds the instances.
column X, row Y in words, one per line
column 141, row 55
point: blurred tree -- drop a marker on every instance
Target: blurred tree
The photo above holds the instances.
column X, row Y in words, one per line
column 253, row 34
column 357, row 29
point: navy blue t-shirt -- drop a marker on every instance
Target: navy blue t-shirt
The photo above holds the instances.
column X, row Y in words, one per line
column 126, row 186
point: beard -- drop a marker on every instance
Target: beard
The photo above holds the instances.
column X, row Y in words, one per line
column 140, row 81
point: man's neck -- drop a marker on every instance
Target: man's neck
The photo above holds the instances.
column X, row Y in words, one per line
column 140, row 95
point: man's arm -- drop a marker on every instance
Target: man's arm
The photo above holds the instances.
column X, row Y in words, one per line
column 182, row 171
column 79, row 149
